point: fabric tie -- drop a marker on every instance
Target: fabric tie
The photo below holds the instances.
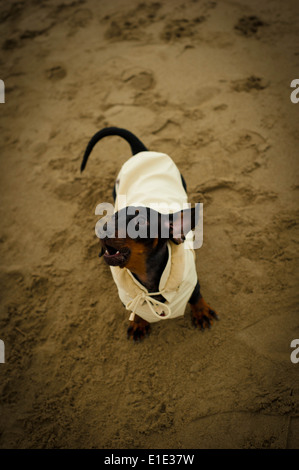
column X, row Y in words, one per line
column 153, row 304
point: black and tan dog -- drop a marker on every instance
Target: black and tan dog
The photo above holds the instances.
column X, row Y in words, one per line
column 144, row 247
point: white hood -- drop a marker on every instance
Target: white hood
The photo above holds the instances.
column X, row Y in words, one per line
column 150, row 179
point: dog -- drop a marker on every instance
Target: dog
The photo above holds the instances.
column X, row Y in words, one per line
column 155, row 276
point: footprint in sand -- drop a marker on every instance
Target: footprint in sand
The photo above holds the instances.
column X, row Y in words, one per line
column 248, row 84
column 272, row 242
column 139, row 79
column 241, row 139
column 181, row 28
column 246, row 150
column 165, row 128
column 249, row 25
column 56, row 73
column 221, row 107
column 135, row 88
column 131, row 26
column 231, row 193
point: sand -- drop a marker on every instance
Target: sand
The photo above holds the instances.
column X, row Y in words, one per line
column 208, row 83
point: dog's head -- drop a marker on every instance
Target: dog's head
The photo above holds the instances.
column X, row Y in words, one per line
column 134, row 233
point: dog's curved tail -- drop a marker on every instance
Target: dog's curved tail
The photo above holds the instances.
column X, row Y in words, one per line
column 135, row 144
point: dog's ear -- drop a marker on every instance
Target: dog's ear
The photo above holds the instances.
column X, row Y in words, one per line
column 180, row 223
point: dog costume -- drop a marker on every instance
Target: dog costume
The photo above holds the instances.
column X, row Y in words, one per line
column 150, row 179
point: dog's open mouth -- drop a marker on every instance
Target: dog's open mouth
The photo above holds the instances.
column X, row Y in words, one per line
column 115, row 257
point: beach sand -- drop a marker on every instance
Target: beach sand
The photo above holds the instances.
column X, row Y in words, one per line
column 208, row 83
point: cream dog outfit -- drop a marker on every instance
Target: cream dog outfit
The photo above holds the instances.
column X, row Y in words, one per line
column 150, row 179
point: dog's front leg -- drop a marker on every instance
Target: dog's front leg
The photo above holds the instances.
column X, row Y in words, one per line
column 202, row 314
column 138, row 329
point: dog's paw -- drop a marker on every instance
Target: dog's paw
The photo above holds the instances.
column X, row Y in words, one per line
column 202, row 315
column 138, row 329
